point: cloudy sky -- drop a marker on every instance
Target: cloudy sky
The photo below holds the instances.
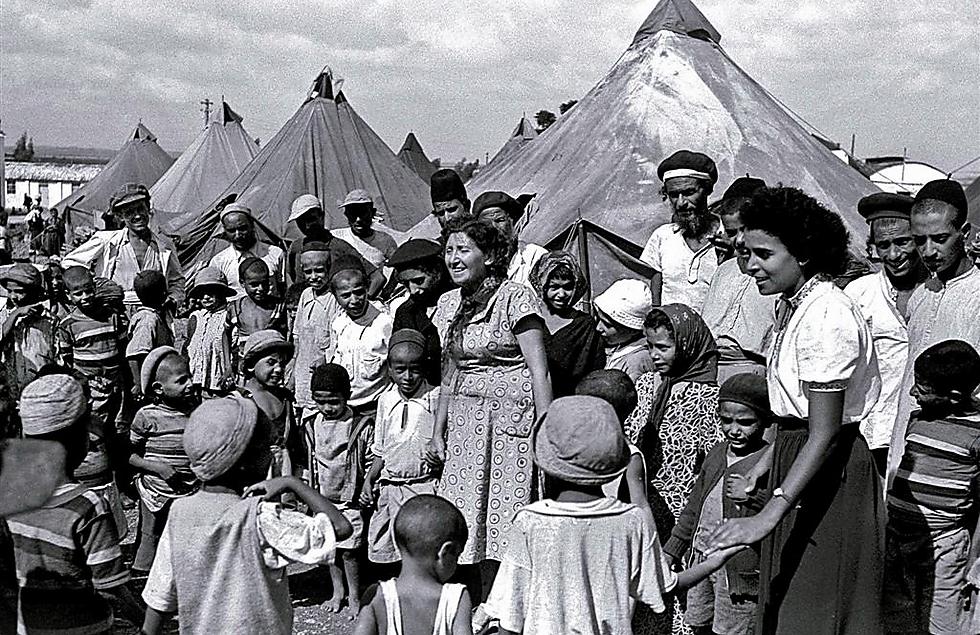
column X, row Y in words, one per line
column 899, row 74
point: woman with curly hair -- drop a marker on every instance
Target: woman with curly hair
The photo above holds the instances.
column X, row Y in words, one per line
column 572, row 343
column 495, row 378
column 821, row 532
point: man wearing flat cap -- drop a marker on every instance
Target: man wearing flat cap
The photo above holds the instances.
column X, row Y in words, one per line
column 120, row 254
column 946, row 306
column 374, row 244
column 680, row 252
column 883, row 298
column 307, row 212
column 239, row 230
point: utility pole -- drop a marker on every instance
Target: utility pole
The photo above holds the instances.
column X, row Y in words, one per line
column 206, row 109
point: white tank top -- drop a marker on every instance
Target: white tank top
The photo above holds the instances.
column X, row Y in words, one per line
column 448, row 604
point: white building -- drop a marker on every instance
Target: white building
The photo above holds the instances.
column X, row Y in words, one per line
column 52, row 182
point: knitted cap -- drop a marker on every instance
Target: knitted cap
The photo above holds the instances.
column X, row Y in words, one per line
column 626, row 302
column 406, row 336
column 747, row 389
column 217, row 434
column 51, row 403
column 30, row 469
column 330, row 378
column 580, row 440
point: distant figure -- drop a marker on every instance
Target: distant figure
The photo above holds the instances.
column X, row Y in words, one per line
column 239, row 230
column 374, row 244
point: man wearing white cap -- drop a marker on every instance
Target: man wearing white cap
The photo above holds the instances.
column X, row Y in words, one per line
column 307, row 212
column 239, row 228
column 680, row 252
column 374, row 244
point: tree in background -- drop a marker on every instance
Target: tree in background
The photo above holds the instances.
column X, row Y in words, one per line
column 465, row 169
column 23, row 149
column 566, row 106
column 545, row 118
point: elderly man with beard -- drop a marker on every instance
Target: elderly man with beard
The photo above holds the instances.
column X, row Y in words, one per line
column 883, row 298
column 680, row 252
column 738, row 315
column 946, row 306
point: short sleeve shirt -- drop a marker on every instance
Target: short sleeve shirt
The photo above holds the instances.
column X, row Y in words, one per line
column 686, row 273
column 376, row 249
column 147, row 330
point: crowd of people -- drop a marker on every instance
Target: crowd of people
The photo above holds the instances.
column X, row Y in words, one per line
column 758, row 435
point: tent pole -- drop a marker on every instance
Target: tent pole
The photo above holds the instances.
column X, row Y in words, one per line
column 583, row 254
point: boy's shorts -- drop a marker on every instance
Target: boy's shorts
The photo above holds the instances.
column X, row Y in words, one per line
column 924, row 588
column 355, row 516
column 381, row 533
column 710, row 604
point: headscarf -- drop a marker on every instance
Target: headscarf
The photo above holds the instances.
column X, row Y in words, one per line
column 696, row 357
column 546, row 266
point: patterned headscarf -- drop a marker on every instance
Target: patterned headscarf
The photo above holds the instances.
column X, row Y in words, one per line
column 544, row 268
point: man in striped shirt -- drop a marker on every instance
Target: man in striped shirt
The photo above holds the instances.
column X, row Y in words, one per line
column 932, row 502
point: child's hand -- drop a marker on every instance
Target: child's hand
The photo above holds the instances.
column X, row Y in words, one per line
column 367, row 494
column 272, row 487
column 137, row 394
column 738, row 487
column 164, row 471
column 435, row 452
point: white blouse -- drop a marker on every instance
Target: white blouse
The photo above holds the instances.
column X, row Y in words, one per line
column 822, row 341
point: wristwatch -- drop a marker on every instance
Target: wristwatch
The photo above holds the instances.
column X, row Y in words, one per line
column 779, row 493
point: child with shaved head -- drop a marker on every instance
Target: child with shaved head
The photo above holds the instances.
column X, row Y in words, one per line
column 430, row 533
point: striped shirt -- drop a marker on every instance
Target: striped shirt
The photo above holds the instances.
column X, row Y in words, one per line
column 157, row 434
column 94, row 345
column 65, row 552
column 934, row 486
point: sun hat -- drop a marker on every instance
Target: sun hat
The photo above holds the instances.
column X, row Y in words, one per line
column 261, row 342
column 30, row 470
column 747, row 389
column 51, row 403
column 303, row 204
column 212, row 278
column 626, row 302
column 580, row 440
column 356, row 197
column 217, row 434
column 150, row 364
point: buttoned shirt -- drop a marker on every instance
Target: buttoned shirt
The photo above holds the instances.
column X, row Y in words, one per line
column 686, row 274
column 109, row 254
column 402, row 429
column 228, row 260
column 878, row 300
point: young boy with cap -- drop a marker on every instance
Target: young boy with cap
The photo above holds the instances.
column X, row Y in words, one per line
column 374, row 244
column 28, row 337
column 339, row 443
column 430, row 533
column 727, row 601
column 148, row 328
column 932, row 504
column 577, row 561
column 258, row 310
column 402, row 428
column 67, row 552
column 222, row 558
column 620, row 311
column 162, row 468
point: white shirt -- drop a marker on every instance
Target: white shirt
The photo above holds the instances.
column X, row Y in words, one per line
column 876, row 297
column 402, row 429
column 228, row 260
column 362, row 350
column 376, row 249
column 312, row 336
column 686, row 274
column 822, row 338
column 528, row 255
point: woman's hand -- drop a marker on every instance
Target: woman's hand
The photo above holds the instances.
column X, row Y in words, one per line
column 435, row 452
column 736, row 532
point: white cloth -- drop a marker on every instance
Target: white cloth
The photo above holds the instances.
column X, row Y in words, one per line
column 362, row 349
column 229, row 258
column 402, row 430
column 449, row 599
column 937, row 312
column 312, row 337
column 578, row 568
column 876, row 297
column 285, row 536
column 825, row 340
column 109, row 254
column 528, row 255
column 686, row 273
column 376, row 249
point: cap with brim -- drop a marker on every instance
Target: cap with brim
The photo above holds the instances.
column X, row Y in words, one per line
column 580, row 440
column 885, row 205
column 232, row 208
column 128, row 193
column 30, row 470
column 303, row 204
column 150, row 364
column 22, row 273
column 218, row 434
column 690, row 164
column 356, row 197
column 211, row 279
column 51, row 403
column 414, row 251
column 626, row 302
column 502, row 200
column 263, row 342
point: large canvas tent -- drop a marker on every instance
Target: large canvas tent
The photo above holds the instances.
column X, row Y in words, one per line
column 324, row 149
column 524, row 133
column 216, row 156
column 140, row 160
column 973, row 202
column 594, row 171
column 414, row 157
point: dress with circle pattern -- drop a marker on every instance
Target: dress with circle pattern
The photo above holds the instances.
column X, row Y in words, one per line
column 489, row 473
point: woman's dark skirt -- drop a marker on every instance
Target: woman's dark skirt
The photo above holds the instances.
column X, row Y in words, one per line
column 821, row 568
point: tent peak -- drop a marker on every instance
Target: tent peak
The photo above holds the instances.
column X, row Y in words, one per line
column 142, row 133
column 325, row 86
column 679, row 16
column 227, row 115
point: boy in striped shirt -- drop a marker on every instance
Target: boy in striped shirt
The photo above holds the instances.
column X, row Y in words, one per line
column 67, row 551
column 932, row 503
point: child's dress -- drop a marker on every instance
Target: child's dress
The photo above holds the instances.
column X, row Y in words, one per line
column 204, row 352
column 445, row 614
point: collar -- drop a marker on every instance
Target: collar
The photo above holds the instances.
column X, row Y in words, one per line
column 808, row 287
column 422, row 398
column 599, row 507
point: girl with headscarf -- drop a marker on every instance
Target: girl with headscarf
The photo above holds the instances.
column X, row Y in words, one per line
column 674, row 424
column 572, row 343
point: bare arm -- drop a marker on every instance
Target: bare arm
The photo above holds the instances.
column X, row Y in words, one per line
column 153, row 621
column 530, row 338
column 376, row 283
column 189, row 333
column 463, row 624
column 656, row 287
column 317, row 504
column 367, row 619
column 435, row 451
column 125, row 600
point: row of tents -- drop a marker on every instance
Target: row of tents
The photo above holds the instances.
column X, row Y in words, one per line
column 593, row 171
